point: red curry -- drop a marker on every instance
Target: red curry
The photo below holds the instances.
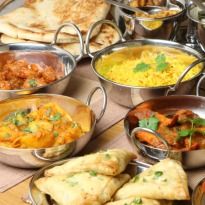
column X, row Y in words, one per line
column 19, row 74
column 184, row 130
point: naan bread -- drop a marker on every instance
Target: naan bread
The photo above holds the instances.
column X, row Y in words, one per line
column 141, row 201
column 83, row 188
column 106, row 37
column 111, row 162
column 164, row 180
column 37, row 20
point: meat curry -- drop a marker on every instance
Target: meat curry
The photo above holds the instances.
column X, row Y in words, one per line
column 19, row 74
column 183, row 130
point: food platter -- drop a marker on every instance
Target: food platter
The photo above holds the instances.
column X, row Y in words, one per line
column 134, row 168
column 108, row 35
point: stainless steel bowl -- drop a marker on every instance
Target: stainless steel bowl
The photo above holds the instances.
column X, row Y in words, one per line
column 131, row 95
column 34, row 158
column 169, row 105
column 198, row 196
column 136, row 26
column 192, row 12
column 50, row 55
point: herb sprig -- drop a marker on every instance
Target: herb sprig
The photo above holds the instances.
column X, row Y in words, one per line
column 161, row 64
column 150, row 123
column 189, row 132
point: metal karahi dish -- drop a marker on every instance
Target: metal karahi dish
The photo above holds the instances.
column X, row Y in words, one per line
column 198, row 196
column 195, row 14
column 48, row 55
column 157, row 28
column 131, row 95
column 38, row 157
column 167, row 106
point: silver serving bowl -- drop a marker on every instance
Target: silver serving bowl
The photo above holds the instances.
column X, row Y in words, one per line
column 169, row 105
column 34, row 158
column 166, row 29
column 131, row 95
column 193, row 14
column 198, row 196
column 49, row 55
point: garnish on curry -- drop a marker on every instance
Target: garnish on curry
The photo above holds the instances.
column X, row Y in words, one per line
column 184, row 130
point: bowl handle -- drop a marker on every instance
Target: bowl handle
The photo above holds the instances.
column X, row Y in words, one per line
column 54, row 42
column 199, row 84
column 102, row 112
column 53, row 154
column 92, row 27
column 141, row 146
column 181, row 77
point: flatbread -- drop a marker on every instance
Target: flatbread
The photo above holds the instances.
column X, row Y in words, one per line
column 37, row 20
column 82, row 188
column 164, row 180
column 106, row 37
column 139, row 200
column 111, row 162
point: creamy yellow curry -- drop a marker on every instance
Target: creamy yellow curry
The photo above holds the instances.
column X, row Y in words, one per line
column 45, row 126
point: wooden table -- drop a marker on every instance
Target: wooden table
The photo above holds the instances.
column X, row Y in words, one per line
column 13, row 195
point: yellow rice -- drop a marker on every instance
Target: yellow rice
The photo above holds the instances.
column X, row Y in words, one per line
column 118, row 66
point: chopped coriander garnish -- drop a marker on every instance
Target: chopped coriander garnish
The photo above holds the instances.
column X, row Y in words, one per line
column 198, row 121
column 32, row 83
column 93, row 173
column 28, row 130
column 141, row 67
column 158, row 174
column 55, row 134
column 184, row 133
column 107, row 156
column 150, row 123
column 56, row 117
column 137, row 201
column 161, row 62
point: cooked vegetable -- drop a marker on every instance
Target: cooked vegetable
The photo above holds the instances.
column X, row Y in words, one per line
column 47, row 126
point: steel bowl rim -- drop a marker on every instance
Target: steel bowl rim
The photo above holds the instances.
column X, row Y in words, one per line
column 49, row 46
column 195, row 189
column 160, row 98
column 44, row 95
column 180, row 5
column 189, row 8
column 121, row 45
